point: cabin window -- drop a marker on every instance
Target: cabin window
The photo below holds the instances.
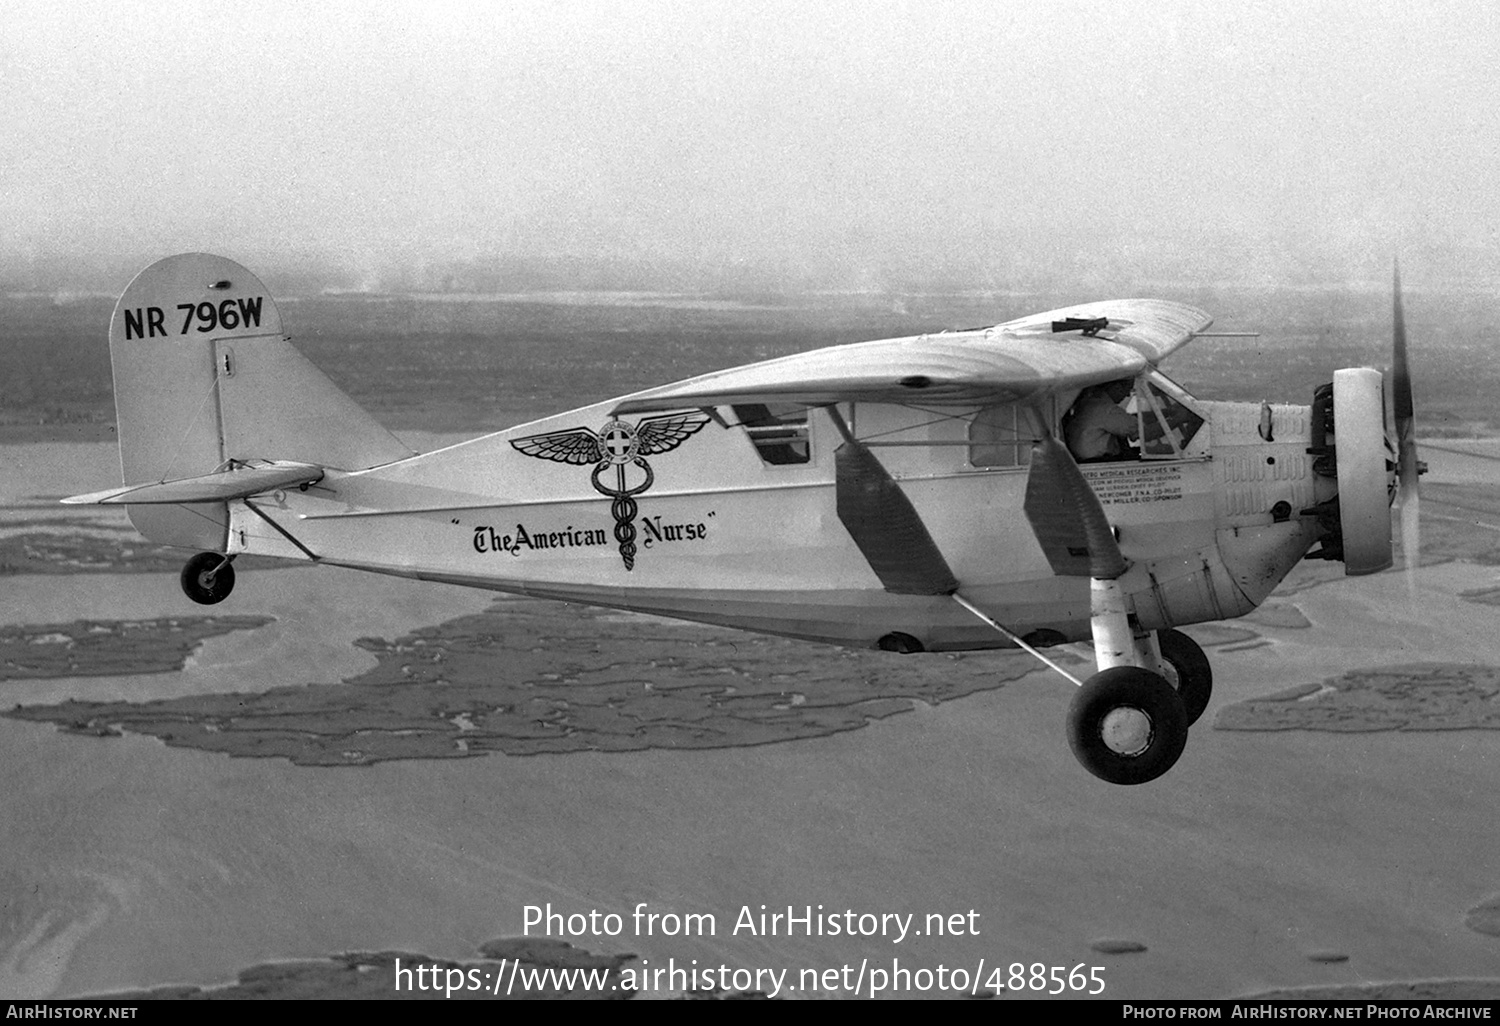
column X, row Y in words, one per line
column 1002, row 436
column 777, row 430
column 1167, row 426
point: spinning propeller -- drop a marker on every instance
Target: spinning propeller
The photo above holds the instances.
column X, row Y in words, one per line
column 1407, row 467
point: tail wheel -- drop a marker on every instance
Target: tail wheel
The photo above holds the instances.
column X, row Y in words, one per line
column 1127, row 725
column 208, row 578
column 1195, row 677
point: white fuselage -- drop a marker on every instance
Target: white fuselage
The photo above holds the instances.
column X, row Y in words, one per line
column 735, row 528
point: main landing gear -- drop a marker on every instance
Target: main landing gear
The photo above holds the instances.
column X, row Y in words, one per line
column 208, row 578
column 1128, row 725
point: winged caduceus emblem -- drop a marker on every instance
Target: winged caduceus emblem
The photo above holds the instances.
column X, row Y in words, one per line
column 619, row 445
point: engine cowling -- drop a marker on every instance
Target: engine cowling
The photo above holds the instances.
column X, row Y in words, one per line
column 1364, row 464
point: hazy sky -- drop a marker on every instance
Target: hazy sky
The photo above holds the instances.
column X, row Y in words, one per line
column 849, row 135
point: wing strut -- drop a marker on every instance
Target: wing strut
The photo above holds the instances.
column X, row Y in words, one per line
column 883, row 523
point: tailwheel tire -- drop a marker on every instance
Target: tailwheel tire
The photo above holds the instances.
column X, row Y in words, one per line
column 1195, row 677
column 1127, row 725
column 207, row 579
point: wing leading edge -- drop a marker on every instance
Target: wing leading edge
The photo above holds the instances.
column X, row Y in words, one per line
column 1016, row 361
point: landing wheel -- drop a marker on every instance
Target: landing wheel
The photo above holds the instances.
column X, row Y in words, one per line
column 207, row 578
column 1127, row 725
column 1195, row 677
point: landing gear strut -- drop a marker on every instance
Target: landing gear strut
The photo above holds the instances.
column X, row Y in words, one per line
column 208, row 578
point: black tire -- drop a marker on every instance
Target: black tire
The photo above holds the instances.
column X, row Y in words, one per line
column 204, row 584
column 1127, row 725
column 1195, row 677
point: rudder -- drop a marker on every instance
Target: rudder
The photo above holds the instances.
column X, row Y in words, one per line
column 203, row 374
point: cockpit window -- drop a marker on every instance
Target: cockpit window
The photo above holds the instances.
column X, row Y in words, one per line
column 1167, row 425
column 777, row 430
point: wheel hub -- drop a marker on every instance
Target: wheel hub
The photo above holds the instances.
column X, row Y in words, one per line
column 1126, row 731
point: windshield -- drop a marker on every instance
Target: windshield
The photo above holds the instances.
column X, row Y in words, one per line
column 1168, row 423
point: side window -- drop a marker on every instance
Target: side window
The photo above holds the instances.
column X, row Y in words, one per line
column 778, row 431
column 1166, row 425
column 1002, row 436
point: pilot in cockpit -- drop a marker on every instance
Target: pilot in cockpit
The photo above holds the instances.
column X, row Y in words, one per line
column 1098, row 429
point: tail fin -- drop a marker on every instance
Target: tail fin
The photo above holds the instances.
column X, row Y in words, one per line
column 203, row 375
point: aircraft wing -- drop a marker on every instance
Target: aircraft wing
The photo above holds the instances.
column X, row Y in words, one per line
column 1058, row 350
column 220, row 487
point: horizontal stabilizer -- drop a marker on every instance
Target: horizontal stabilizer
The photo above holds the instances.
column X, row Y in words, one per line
column 219, row 487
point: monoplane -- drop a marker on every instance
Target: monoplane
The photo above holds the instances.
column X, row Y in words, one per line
column 909, row 494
